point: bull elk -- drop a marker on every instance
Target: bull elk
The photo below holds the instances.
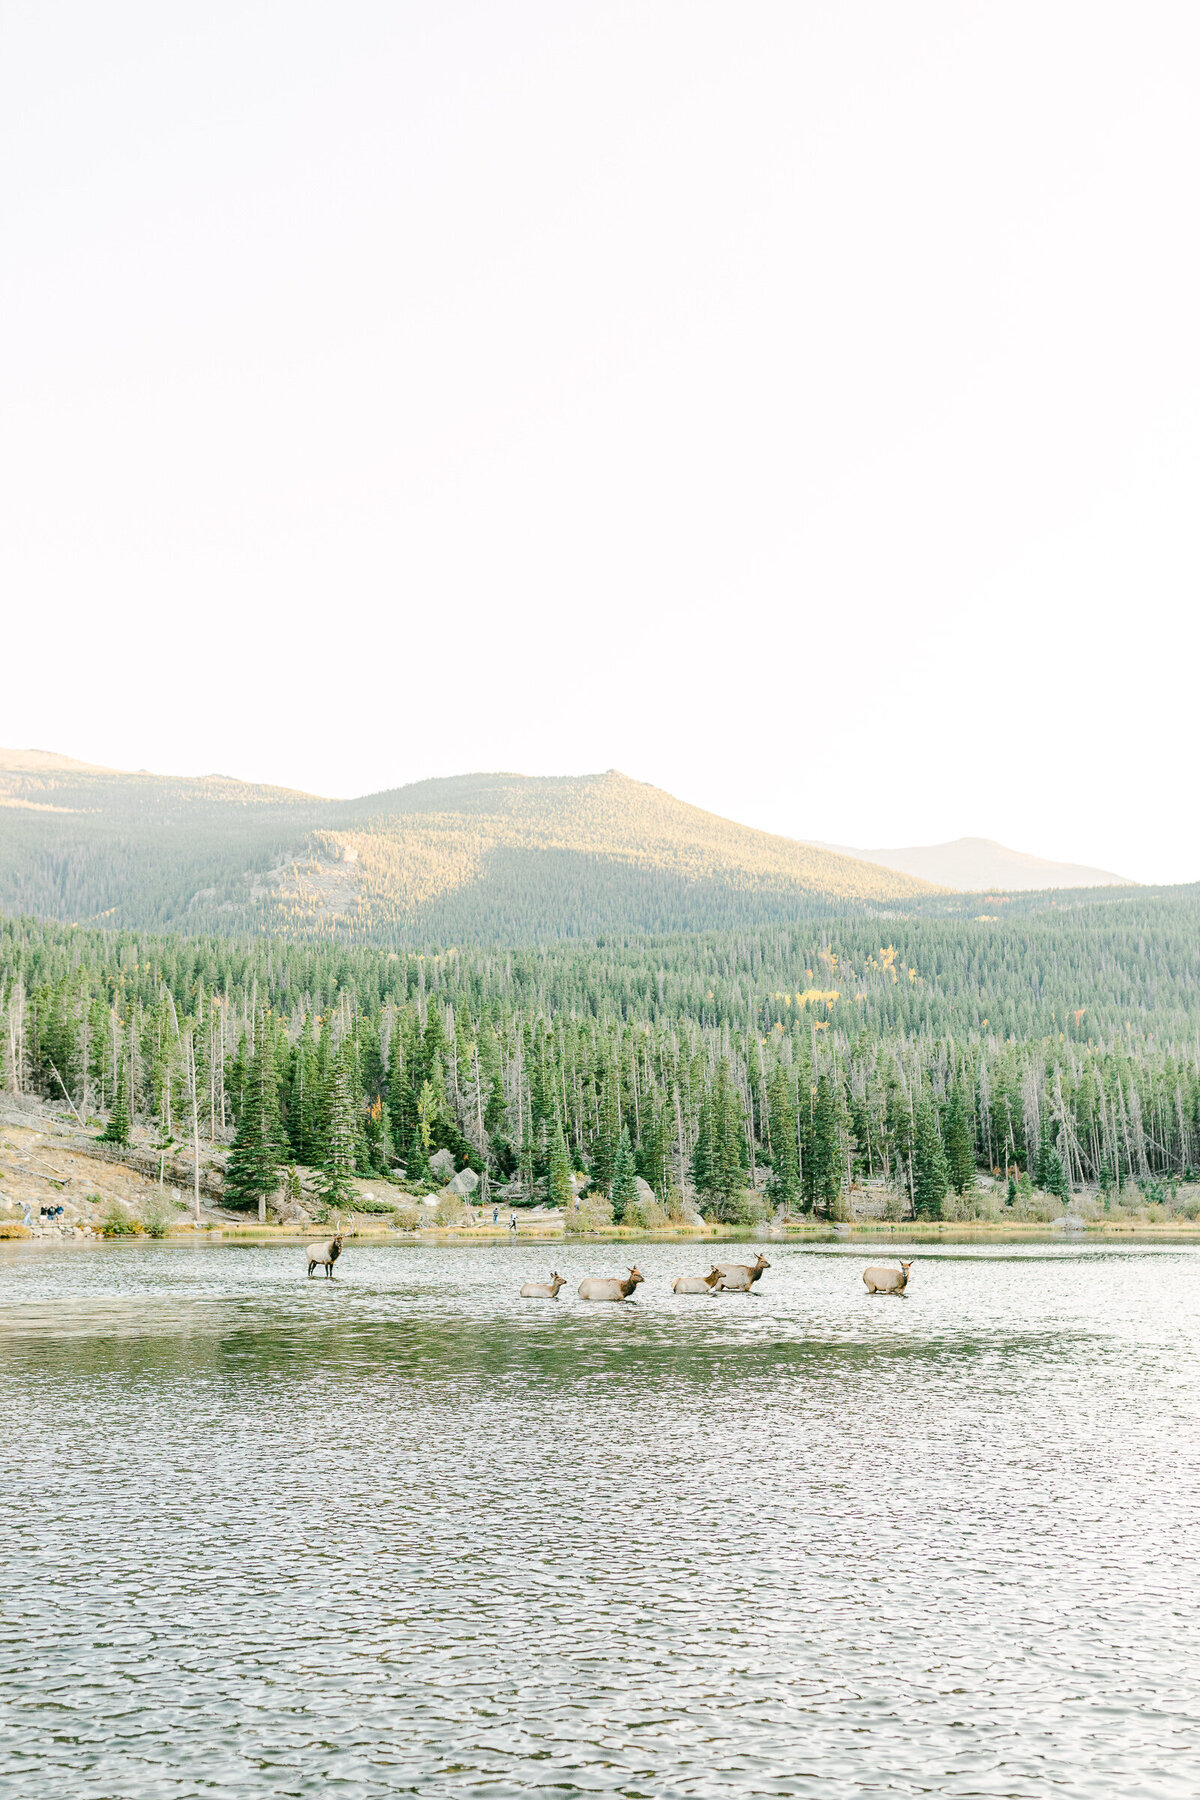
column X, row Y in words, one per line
column 323, row 1256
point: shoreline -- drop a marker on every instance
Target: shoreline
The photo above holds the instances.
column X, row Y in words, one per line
column 956, row 1231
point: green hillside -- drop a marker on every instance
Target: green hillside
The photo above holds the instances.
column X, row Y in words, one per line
column 473, row 858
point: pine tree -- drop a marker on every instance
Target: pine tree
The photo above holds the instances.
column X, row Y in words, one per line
column 252, row 1174
column 931, row 1180
column 304, row 1099
column 416, row 1165
column 624, row 1182
column 784, row 1184
column 604, row 1150
column 1051, row 1174
column 825, row 1174
column 702, row 1157
column 960, row 1148
column 719, row 1159
column 341, row 1129
column 562, row 1188
column 119, row 1123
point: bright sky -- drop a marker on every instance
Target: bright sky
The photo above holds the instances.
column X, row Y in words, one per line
column 794, row 405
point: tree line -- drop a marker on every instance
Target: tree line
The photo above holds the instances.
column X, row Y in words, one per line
column 805, row 1060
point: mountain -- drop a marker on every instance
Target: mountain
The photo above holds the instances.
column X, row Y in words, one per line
column 472, row 858
column 978, row 864
column 43, row 762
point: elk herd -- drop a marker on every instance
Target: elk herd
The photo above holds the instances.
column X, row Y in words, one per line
column 722, row 1278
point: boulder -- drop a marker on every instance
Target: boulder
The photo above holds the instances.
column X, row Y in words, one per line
column 644, row 1190
column 441, row 1164
column 464, row 1183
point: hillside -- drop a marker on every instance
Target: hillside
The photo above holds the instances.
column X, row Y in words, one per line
column 473, row 858
column 976, row 865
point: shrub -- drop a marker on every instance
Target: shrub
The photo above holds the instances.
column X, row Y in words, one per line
column 158, row 1215
column 406, row 1218
column 734, row 1209
column 367, row 1203
column 118, row 1221
column 645, row 1215
column 451, row 1211
column 591, row 1212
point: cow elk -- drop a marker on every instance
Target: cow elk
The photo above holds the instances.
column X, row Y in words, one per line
column 696, row 1284
column 597, row 1287
column 739, row 1278
column 544, row 1290
column 887, row 1281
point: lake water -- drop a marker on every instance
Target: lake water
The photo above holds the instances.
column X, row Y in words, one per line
column 407, row 1534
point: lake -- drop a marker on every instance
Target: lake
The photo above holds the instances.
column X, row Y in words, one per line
column 408, row 1534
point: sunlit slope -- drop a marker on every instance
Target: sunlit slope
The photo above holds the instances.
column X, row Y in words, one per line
column 474, row 858
column 89, row 844
column 518, row 858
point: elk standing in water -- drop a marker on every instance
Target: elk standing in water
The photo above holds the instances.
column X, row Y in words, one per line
column 323, row 1256
column 544, row 1290
column 596, row 1287
column 887, row 1281
column 696, row 1284
column 739, row 1278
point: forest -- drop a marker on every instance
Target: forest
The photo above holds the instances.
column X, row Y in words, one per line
column 1059, row 1048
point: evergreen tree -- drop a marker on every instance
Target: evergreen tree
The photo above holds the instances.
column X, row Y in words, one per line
column 1051, row 1174
column 931, row 1180
column 624, row 1182
column 825, row 1174
column 119, row 1125
column 416, row 1165
column 380, row 1148
column 719, row 1159
column 252, row 1173
column 702, row 1153
column 784, row 1184
column 341, row 1129
column 304, row 1099
column 604, row 1152
column 562, row 1188
column 960, row 1148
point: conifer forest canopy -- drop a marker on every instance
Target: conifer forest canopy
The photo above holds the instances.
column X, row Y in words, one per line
column 1060, row 1036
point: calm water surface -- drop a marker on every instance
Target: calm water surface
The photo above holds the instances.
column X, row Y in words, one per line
column 408, row 1534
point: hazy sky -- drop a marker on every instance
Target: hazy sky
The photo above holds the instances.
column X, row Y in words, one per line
column 796, row 406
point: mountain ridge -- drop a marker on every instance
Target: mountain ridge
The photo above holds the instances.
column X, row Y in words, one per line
column 977, row 865
column 491, row 856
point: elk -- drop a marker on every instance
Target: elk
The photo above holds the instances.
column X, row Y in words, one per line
column 696, row 1284
column 887, row 1281
column 599, row 1287
column 323, row 1256
column 739, row 1278
column 544, row 1290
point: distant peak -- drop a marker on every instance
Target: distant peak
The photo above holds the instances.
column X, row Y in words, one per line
column 47, row 762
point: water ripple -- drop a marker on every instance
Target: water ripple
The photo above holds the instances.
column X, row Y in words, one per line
column 407, row 1534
